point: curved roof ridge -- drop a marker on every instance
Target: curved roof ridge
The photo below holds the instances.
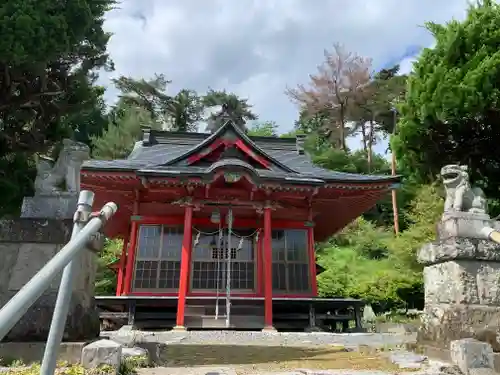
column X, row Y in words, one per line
column 246, row 138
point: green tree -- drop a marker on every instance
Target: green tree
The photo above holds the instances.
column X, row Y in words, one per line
column 106, row 278
column 118, row 140
column 264, row 129
column 185, row 111
column 317, row 127
column 92, row 118
column 372, row 110
column 234, row 107
column 423, row 213
column 48, row 52
column 149, row 95
column 450, row 111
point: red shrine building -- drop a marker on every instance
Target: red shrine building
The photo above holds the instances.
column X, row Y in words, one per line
column 221, row 228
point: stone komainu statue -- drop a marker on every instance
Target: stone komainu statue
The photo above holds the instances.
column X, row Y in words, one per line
column 62, row 175
column 460, row 196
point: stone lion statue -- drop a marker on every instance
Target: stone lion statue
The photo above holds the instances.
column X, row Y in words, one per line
column 62, row 175
column 460, row 196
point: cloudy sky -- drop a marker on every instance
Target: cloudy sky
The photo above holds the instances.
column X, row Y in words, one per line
column 256, row 48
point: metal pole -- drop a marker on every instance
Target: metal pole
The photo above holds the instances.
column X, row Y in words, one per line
column 81, row 216
column 220, row 251
column 228, row 266
column 18, row 305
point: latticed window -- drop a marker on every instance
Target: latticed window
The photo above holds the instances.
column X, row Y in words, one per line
column 210, row 261
column 158, row 258
column 290, row 261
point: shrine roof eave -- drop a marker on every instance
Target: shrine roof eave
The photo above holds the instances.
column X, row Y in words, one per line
column 205, row 174
column 393, row 181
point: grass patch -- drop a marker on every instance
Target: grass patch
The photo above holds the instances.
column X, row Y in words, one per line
column 275, row 358
column 128, row 367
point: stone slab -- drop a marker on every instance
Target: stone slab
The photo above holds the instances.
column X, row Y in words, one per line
column 471, row 354
column 61, row 206
column 458, row 248
column 30, row 352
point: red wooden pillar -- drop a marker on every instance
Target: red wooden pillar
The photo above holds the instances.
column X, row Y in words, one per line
column 260, row 276
column 185, row 265
column 121, row 269
column 129, row 268
column 268, row 271
column 132, row 248
column 312, row 261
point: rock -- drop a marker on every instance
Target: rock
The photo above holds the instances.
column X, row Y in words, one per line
column 482, row 371
column 102, row 352
column 134, row 352
column 155, row 351
column 490, row 335
column 408, row 360
column 368, row 314
column 471, row 354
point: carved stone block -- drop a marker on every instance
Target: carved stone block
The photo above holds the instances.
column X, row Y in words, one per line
column 449, row 249
column 463, row 282
column 460, row 248
column 451, row 282
column 463, row 224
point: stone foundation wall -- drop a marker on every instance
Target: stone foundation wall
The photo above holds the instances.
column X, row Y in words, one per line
column 26, row 245
column 462, row 288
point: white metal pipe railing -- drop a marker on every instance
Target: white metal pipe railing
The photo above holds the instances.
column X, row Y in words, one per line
column 81, row 216
column 18, row 305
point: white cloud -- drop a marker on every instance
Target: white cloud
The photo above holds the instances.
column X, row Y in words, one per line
column 258, row 47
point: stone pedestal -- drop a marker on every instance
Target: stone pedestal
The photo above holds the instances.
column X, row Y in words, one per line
column 462, row 280
column 26, row 245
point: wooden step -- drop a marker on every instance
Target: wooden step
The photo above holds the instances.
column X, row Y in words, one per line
column 195, row 310
column 236, row 322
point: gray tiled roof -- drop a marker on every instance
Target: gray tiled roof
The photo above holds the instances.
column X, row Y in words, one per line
column 167, row 147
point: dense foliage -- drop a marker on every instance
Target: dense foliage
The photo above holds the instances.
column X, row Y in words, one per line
column 451, row 110
column 446, row 111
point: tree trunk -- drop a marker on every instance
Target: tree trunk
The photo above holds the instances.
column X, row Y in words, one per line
column 342, row 129
column 364, row 136
column 371, row 134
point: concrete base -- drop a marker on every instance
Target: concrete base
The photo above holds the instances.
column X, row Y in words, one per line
column 269, row 329
column 30, row 352
column 179, row 329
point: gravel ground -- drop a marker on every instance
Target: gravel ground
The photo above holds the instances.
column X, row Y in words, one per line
column 431, row 370
column 289, row 339
column 263, row 338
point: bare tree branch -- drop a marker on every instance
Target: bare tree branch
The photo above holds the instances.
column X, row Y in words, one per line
column 339, row 81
